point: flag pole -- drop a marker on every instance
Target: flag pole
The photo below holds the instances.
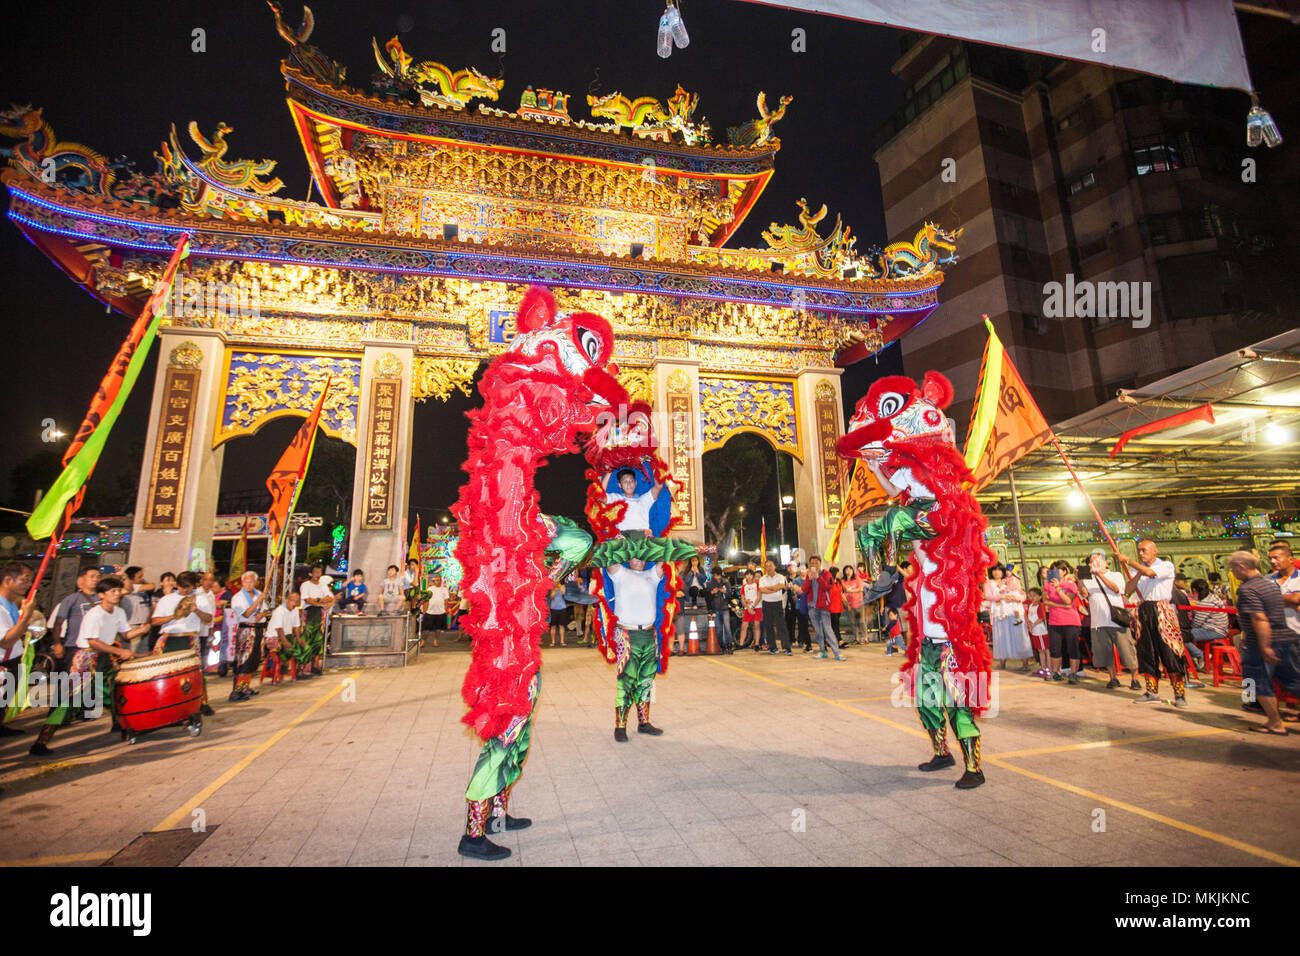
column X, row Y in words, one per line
column 1020, row 539
column 1086, row 497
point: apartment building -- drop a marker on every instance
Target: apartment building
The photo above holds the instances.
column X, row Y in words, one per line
column 1056, row 169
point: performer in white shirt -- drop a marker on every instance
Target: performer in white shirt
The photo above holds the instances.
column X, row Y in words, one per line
column 1159, row 638
column 180, row 622
column 636, row 518
column 435, row 609
column 636, row 588
column 283, row 634
column 247, row 608
column 101, row 628
column 317, row 600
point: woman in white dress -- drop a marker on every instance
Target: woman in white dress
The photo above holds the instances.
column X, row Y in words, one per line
column 1004, row 598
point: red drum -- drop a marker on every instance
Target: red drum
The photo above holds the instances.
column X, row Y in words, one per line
column 159, row 689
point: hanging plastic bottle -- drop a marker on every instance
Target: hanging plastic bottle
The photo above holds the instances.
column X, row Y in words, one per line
column 680, row 37
column 665, row 48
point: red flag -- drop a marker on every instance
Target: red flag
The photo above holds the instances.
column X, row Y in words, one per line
column 286, row 479
column 1203, row 414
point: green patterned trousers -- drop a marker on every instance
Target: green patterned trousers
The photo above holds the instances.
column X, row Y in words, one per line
column 939, row 693
column 501, row 760
column 637, row 677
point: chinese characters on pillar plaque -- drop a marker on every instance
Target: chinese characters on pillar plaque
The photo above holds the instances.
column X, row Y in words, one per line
column 828, row 430
column 378, row 513
column 172, row 450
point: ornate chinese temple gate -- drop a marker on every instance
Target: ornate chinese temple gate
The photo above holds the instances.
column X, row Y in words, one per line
column 436, row 219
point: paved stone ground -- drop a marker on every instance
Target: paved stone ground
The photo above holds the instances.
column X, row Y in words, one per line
column 765, row 760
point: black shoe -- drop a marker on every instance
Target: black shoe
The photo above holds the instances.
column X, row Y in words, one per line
column 620, row 734
column 39, row 749
column 512, row 823
column 1112, row 684
column 223, row 670
column 11, row 732
column 207, row 711
column 882, row 585
column 791, row 653
column 116, row 728
column 970, row 780
column 648, row 728
column 1134, row 685
column 1058, row 676
column 937, row 763
column 481, row 848
column 238, row 697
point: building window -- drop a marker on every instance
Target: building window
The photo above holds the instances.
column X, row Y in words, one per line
column 1086, row 181
column 1155, row 159
column 1070, row 121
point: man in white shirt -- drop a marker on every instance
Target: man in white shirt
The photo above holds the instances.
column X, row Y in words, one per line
column 205, row 604
column 1159, row 638
column 247, row 608
column 102, row 627
column 1287, row 576
column 1105, row 590
column 283, row 634
column 435, row 609
column 636, row 517
column 317, row 599
column 772, row 587
column 179, row 620
column 15, row 615
column 636, row 593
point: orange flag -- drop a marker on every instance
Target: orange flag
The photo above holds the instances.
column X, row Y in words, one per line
column 1006, row 424
column 863, row 494
column 286, row 479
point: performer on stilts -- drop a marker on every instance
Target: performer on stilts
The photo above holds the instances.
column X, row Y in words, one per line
column 903, row 436
column 538, row 396
column 1159, row 638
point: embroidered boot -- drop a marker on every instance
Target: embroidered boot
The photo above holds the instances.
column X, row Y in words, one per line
column 475, row 842
column 974, row 776
column 620, row 724
column 643, row 725
column 503, row 820
column 942, row 758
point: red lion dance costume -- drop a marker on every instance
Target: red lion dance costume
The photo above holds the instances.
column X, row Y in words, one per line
column 538, row 397
column 903, row 436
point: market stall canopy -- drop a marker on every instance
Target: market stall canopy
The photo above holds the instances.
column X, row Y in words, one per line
column 1252, row 446
column 1188, row 41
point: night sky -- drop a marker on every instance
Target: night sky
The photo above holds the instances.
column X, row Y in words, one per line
column 115, row 81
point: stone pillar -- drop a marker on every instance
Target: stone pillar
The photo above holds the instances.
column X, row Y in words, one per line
column 817, row 495
column 180, row 476
column 378, row 533
column 677, row 425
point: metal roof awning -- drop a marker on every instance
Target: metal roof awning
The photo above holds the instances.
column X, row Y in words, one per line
column 1251, row 449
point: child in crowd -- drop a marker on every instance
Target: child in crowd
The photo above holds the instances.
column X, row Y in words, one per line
column 1038, row 632
column 392, row 597
column 354, row 595
column 894, row 640
column 752, row 616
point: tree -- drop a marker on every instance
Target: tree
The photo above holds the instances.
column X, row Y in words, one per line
column 734, row 475
column 327, row 489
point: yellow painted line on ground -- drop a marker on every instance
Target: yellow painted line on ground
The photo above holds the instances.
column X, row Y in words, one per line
column 1150, row 815
column 195, row 801
column 1116, row 742
column 1060, row 784
column 60, row 860
column 825, row 700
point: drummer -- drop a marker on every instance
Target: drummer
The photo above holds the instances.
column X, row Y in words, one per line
column 180, row 621
column 97, row 642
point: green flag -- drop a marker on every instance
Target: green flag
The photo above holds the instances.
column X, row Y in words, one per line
column 88, row 443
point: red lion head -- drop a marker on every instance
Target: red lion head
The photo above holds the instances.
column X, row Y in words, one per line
column 895, row 411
